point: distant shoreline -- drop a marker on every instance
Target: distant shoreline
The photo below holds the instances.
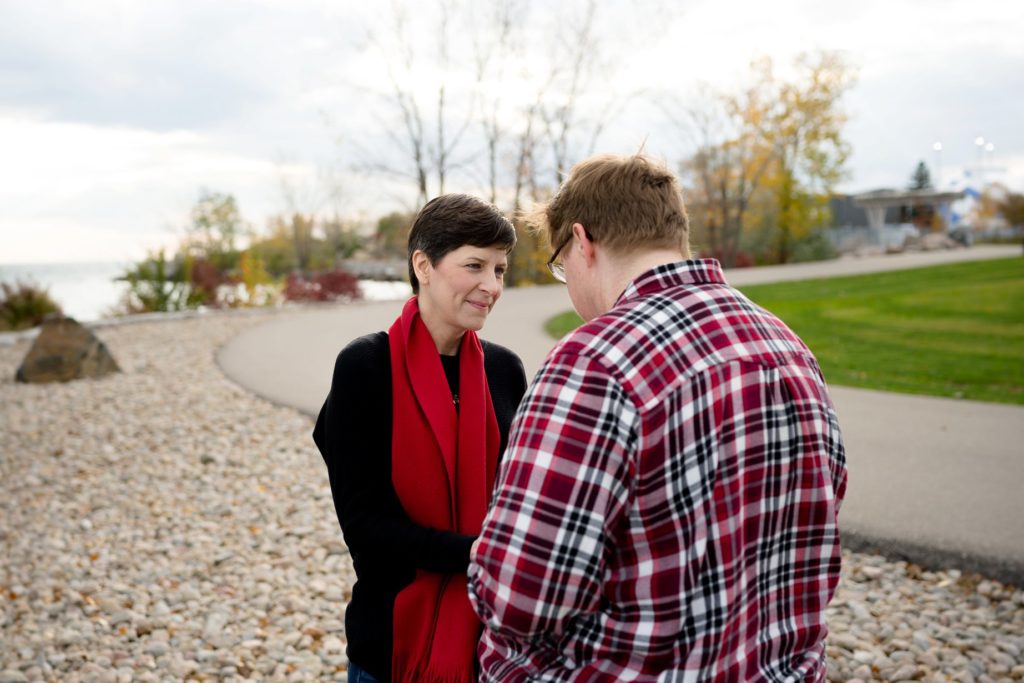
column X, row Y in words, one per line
column 88, row 290
column 12, row 338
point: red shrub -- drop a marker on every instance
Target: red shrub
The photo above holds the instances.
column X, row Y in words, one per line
column 205, row 278
column 329, row 285
column 741, row 259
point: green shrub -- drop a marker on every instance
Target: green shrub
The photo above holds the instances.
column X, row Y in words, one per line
column 813, row 247
column 155, row 285
column 24, row 305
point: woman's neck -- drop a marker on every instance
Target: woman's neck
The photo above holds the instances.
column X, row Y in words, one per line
column 446, row 338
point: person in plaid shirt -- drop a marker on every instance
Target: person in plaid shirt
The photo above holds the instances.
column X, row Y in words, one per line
column 667, row 506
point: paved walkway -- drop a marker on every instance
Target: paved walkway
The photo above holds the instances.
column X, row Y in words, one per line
column 935, row 481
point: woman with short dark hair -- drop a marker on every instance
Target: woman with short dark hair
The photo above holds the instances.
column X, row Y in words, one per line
column 411, row 432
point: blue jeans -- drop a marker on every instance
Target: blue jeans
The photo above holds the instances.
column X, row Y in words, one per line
column 358, row 675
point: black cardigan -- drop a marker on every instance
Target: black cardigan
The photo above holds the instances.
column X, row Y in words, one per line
column 353, row 433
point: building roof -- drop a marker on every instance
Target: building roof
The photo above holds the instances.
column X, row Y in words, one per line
column 888, row 198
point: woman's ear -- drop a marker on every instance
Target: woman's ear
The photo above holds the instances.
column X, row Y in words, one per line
column 421, row 266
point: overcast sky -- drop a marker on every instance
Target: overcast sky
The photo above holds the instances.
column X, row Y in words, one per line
column 114, row 114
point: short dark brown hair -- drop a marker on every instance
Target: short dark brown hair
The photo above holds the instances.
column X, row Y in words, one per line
column 450, row 221
column 625, row 203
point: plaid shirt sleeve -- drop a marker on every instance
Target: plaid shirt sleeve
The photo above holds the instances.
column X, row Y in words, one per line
column 563, row 488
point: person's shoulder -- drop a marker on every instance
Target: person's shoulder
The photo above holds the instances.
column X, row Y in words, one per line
column 498, row 353
column 596, row 336
column 596, row 347
column 364, row 353
column 505, row 372
column 502, row 363
column 368, row 342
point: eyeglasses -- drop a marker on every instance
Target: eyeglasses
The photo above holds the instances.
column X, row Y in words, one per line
column 557, row 270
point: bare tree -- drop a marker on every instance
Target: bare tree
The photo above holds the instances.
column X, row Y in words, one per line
column 412, row 119
column 729, row 164
column 572, row 74
column 479, row 106
column 305, row 200
column 525, row 181
column 428, row 134
column 495, row 40
column 567, row 114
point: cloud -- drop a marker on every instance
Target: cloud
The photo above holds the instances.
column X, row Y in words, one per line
column 75, row 67
column 116, row 113
column 163, row 65
column 99, row 192
column 898, row 113
column 76, row 187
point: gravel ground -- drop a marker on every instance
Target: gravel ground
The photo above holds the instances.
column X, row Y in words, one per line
column 164, row 525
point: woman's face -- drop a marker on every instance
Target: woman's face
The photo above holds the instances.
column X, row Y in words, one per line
column 459, row 290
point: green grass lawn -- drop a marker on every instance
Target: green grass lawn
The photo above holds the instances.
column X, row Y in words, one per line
column 955, row 330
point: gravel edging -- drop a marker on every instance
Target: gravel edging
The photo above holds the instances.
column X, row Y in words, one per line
column 8, row 338
column 933, row 558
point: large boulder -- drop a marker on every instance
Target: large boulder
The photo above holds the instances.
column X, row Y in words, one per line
column 63, row 351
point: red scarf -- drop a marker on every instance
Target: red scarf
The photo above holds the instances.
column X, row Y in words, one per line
column 442, row 466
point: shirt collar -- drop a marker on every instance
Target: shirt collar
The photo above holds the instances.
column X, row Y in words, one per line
column 692, row 272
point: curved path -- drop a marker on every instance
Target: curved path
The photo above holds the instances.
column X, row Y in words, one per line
column 935, row 481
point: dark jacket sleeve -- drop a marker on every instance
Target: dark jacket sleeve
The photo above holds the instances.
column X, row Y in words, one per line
column 353, row 433
column 506, row 380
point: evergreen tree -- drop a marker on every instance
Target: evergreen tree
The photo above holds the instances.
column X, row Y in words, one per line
column 922, row 178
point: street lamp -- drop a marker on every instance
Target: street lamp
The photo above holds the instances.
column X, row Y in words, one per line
column 938, row 164
column 979, row 142
column 990, row 160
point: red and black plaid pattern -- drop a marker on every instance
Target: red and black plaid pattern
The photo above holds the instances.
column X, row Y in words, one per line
column 667, row 506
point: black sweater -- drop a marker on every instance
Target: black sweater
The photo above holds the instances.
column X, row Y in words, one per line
column 353, row 433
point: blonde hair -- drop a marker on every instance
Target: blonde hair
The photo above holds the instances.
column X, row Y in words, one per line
column 626, row 203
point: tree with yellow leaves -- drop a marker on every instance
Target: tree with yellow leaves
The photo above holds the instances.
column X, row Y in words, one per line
column 730, row 165
column 777, row 144
column 805, row 131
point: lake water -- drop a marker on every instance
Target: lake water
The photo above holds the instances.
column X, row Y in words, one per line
column 87, row 291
